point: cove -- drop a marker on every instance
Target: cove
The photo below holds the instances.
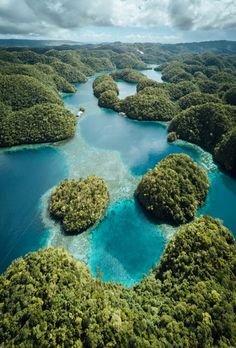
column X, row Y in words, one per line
column 126, row 244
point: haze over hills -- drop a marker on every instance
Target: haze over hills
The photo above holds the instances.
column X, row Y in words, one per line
column 117, row 158
column 217, row 47
column 35, row 43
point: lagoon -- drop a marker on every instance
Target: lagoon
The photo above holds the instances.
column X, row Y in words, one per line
column 126, row 244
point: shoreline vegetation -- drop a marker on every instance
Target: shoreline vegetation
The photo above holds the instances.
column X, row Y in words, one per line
column 180, row 303
column 79, row 204
column 198, row 99
column 47, row 298
column 174, row 189
column 193, row 82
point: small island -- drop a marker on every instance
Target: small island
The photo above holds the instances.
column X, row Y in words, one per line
column 174, row 189
column 79, row 204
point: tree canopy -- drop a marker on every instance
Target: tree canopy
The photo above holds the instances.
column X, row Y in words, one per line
column 42, row 123
column 174, row 189
column 78, row 204
column 48, row 299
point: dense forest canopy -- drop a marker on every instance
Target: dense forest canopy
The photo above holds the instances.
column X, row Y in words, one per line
column 47, row 299
column 78, row 204
column 174, row 189
column 59, row 303
column 42, row 123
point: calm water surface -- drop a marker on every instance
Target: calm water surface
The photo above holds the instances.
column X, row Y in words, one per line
column 125, row 245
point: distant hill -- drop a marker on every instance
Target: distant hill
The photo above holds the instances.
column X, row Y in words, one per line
column 35, row 43
column 216, row 47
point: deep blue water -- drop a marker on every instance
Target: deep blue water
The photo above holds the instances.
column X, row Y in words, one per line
column 24, row 177
column 125, row 245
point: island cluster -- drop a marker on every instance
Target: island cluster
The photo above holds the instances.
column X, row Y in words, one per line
column 47, row 298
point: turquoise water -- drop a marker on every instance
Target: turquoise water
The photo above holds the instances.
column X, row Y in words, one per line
column 24, row 177
column 125, row 245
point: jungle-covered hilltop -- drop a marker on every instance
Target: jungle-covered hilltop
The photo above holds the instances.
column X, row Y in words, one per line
column 79, row 204
column 48, row 299
column 174, row 189
column 199, row 80
column 188, row 300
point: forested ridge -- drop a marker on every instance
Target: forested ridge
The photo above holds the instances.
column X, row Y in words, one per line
column 30, row 79
column 198, row 97
column 47, row 298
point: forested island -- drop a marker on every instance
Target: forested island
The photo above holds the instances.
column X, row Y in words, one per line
column 198, row 98
column 174, row 189
column 29, row 77
column 59, row 303
column 79, row 203
column 49, row 299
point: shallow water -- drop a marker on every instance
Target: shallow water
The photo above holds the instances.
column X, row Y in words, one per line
column 125, row 245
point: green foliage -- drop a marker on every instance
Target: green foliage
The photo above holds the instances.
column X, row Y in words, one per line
column 6, row 56
column 42, row 72
column 230, row 96
column 98, row 64
column 50, row 300
column 207, row 86
column 182, row 76
column 224, row 77
column 125, row 60
column 73, row 58
column 225, row 152
column 20, row 91
column 102, row 78
column 171, row 70
column 204, row 125
column 39, row 124
column 159, row 91
column 180, row 89
column 128, row 75
column 197, row 98
column 108, row 85
column 79, row 204
column 145, row 82
column 174, row 189
column 31, row 57
column 105, row 88
column 171, row 137
column 197, row 270
column 68, row 72
column 148, row 107
column 63, row 67
column 109, row 99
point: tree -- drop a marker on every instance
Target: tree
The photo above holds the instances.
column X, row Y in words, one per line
column 174, row 189
column 79, row 204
